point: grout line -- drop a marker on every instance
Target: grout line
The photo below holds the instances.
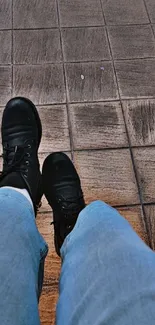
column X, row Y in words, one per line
column 128, row 137
column 65, row 82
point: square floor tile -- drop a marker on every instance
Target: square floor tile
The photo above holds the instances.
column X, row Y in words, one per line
column 150, row 221
column 37, row 46
column 91, row 81
column 107, row 175
column 6, row 46
column 5, row 14
column 136, row 78
column 55, row 128
column 135, row 217
column 85, row 44
column 145, row 165
column 140, row 121
column 129, row 42
column 5, row 84
column 151, row 9
column 34, row 13
column 125, row 12
column 43, row 84
column 97, row 125
column 80, row 13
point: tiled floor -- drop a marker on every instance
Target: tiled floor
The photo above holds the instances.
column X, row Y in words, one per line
column 89, row 66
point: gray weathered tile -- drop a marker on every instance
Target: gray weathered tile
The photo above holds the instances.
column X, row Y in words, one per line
column 43, row 84
column 136, row 78
column 85, row 44
column 125, row 12
column 5, row 46
column 151, row 9
column 129, row 42
column 34, row 13
column 97, row 125
column 140, row 121
column 145, row 164
column 55, row 128
column 91, row 81
column 150, row 223
column 37, row 46
column 107, row 175
column 5, row 14
column 5, row 84
column 80, row 13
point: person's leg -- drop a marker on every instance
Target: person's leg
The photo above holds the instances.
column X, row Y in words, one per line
column 23, row 251
column 108, row 273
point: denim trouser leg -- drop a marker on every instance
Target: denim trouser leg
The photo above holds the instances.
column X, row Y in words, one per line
column 108, row 273
column 22, row 253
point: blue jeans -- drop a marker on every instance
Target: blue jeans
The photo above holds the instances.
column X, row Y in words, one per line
column 107, row 276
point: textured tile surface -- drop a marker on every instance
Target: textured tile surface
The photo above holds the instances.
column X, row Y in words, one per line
column 97, row 125
column 5, row 84
column 150, row 220
column 80, row 13
column 91, row 81
column 47, row 305
column 5, row 47
column 82, row 44
column 132, row 41
column 34, row 13
column 140, row 120
column 43, row 84
column 107, row 176
column 125, row 12
column 136, row 78
column 55, row 128
column 5, row 14
column 37, row 46
column 151, row 9
column 145, row 165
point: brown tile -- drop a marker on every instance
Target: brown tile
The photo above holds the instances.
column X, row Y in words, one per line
column 6, row 45
column 5, row 14
column 136, row 78
column 107, row 175
column 34, row 13
column 91, row 81
column 47, row 305
column 55, row 128
column 43, row 84
column 125, row 12
column 129, row 42
column 150, row 221
column 97, row 125
column 80, row 13
column 151, row 9
column 5, row 84
column 52, row 262
column 145, row 164
column 140, row 121
column 85, row 44
column 135, row 217
column 37, row 46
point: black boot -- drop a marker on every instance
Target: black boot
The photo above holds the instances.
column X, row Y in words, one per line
column 62, row 189
column 21, row 135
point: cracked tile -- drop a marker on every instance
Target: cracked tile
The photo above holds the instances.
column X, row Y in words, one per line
column 91, row 81
column 97, row 125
